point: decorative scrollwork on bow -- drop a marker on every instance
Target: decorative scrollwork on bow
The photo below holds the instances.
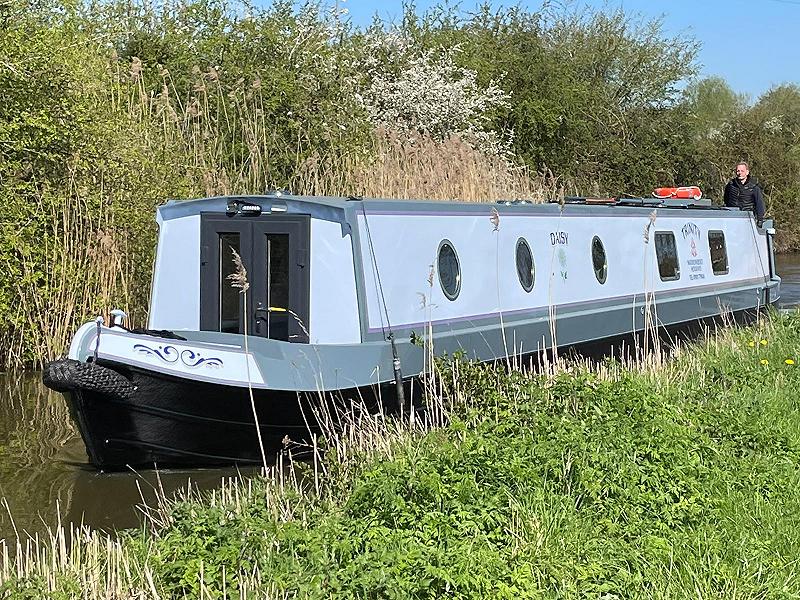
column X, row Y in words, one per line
column 170, row 355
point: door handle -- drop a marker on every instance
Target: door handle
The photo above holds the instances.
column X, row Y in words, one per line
column 260, row 314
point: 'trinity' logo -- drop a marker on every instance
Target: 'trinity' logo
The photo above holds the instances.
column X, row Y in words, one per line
column 690, row 229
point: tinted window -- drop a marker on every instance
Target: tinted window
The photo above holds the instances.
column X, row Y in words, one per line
column 449, row 270
column 719, row 254
column 599, row 261
column 277, row 262
column 229, row 297
column 525, row 268
column 667, row 256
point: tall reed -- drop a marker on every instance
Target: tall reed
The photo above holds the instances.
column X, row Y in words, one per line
column 419, row 167
column 79, row 268
column 239, row 281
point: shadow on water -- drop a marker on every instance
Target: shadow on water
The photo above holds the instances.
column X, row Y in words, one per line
column 44, row 469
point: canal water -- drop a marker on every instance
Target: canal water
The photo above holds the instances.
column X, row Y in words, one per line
column 45, row 477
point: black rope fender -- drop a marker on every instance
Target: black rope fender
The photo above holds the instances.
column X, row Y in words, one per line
column 67, row 375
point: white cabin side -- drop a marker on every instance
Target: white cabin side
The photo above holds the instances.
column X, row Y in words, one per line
column 175, row 290
column 307, row 286
column 406, row 245
column 334, row 302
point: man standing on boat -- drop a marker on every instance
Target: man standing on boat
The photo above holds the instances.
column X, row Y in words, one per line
column 743, row 192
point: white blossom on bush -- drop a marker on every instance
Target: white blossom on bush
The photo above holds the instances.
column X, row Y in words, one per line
column 426, row 92
column 774, row 124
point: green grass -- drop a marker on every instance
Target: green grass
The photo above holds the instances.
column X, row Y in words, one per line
column 672, row 480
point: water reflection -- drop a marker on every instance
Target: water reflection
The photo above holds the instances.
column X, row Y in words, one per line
column 44, row 470
column 38, row 443
column 112, row 501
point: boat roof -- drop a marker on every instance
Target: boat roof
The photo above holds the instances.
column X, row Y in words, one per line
column 334, row 207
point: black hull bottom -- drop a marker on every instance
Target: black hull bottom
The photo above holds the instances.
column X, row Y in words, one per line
column 169, row 421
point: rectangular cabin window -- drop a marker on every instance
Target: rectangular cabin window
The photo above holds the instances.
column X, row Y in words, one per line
column 719, row 254
column 667, row 256
column 229, row 296
column 277, row 259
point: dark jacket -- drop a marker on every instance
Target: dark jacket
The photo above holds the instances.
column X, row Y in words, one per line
column 745, row 196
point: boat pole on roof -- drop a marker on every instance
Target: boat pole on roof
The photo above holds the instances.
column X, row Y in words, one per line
column 398, row 373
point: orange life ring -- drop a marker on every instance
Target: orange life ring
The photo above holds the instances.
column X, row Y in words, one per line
column 685, row 192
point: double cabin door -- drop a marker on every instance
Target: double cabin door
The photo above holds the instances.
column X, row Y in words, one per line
column 274, row 251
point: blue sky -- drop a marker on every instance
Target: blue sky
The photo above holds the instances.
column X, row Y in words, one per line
column 753, row 44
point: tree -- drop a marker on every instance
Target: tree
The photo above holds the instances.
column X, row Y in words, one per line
column 593, row 96
column 712, row 104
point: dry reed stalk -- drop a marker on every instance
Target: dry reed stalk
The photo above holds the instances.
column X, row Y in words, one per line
column 80, row 269
column 422, row 168
column 239, row 281
column 651, row 351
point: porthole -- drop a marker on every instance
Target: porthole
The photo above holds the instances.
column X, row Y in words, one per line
column 599, row 261
column 526, row 270
column 449, row 270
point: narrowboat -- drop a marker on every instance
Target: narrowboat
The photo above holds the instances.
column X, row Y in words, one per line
column 341, row 290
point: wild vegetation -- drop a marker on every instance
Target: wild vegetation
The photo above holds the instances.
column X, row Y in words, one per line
column 111, row 107
column 665, row 478
column 660, row 479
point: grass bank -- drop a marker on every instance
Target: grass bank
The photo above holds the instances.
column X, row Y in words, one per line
column 669, row 478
